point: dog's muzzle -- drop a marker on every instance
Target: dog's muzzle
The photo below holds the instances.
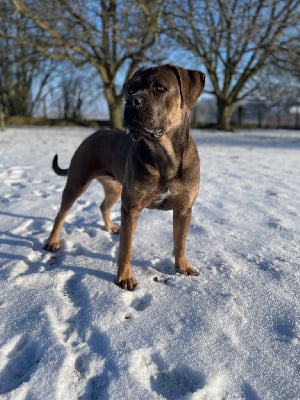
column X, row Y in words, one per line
column 138, row 121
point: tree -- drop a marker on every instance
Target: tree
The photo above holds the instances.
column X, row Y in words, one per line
column 70, row 94
column 20, row 68
column 278, row 83
column 113, row 36
column 234, row 40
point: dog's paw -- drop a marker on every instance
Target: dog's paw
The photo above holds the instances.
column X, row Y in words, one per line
column 127, row 283
column 52, row 246
column 184, row 268
column 189, row 271
column 114, row 228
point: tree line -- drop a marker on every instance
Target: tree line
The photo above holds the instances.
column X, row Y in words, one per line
column 73, row 51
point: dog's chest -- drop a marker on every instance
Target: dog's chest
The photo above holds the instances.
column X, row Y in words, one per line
column 162, row 200
column 162, row 197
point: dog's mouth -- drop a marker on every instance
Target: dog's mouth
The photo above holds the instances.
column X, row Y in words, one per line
column 137, row 131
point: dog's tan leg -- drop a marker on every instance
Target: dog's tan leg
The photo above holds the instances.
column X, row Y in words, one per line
column 181, row 222
column 112, row 191
column 129, row 219
column 71, row 192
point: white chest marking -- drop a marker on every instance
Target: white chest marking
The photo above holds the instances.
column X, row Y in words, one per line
column 162, row 197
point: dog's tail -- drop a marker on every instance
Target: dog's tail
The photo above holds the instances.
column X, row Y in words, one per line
column 57, row 169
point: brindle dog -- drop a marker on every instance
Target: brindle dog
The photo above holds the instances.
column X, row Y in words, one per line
column 156, row 165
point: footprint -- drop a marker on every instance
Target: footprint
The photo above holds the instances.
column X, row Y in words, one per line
column 177, row 383
column 249, row 393
column 271, row 193
column 171, row 383
column 140, row 304
column 274, row 223
column 40, row 193
column 92, row 232
column 218, row 264
column 75, row 291
column 17, row 185
column 165, row 266
column 278, row 225
column 136, row 301
column 81, row 365
column 76, row 299
column 21, row 357
column 285, row 329
column 52, row 260
column 270, row 267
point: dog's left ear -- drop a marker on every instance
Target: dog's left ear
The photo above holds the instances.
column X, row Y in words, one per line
column 191, row 84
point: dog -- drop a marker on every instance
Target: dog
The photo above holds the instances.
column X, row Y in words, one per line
column 154, row 163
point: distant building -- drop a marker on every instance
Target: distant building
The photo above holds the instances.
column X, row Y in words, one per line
column 262, row 114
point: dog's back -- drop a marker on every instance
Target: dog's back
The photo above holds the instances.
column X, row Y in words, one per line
column 104, row 153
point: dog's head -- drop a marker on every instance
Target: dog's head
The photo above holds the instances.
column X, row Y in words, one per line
column 158, row 98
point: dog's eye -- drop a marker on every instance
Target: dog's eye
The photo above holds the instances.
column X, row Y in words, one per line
column 159, row 88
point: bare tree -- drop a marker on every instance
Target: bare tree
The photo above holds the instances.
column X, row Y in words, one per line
column 20, row 69
column 113, row 36
column 72, row 93
column 278, row 83
column 234, row 40
column 287, row 59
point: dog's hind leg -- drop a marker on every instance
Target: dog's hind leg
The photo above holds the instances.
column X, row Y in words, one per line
column 72, row 191
column 112, row 190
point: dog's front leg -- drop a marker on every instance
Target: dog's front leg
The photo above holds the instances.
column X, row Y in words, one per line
column 181, row 222
column 129, row 219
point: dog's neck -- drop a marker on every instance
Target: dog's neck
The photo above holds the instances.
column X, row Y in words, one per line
column 166, row 154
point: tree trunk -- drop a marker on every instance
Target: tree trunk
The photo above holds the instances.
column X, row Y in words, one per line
column 224, row 115
column 2, row 119
column 115, row 114
column 114, row 102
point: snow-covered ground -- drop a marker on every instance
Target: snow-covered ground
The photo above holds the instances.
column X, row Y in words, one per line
column 67, row 332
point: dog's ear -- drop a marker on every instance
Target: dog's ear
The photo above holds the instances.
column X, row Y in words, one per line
column 126, row 84
column 138, row 72
column 125, row 89
column 191, row 84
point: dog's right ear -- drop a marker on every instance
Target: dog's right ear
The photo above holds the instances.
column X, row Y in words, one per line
column 126, row 84
column 138, row 72
column 124, row 91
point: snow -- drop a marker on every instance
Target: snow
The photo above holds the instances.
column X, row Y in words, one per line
column 68, row 332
